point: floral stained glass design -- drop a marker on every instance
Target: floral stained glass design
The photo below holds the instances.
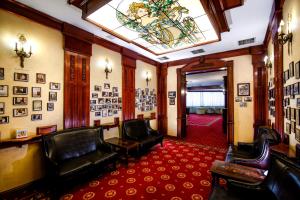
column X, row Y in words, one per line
column 159, row 26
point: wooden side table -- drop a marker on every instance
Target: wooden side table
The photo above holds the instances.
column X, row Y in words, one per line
column 123, row 147
column 226, row 170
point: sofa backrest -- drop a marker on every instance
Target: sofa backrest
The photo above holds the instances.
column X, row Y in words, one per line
column 284, row 181
column 72, row 143
column 135, row 129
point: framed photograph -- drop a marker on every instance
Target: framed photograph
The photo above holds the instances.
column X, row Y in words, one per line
column 120, row 100
column 297, row 70
column 54, row 86
column 243, row 89
column 19, row 90
column 36, row 92
column 4, row 119
column 243, row 104
column 101, row 101
column 21, row 77
column 20, row 101
column 98, row 114
column 114, row 100
column 3, row 90
column 115, row 94
column 297, row 135
column 106, row 86
column 110, row 113
column 293, row 127
column 105, row 94
column 97, row 88
column 40, row 78
column 37, row 105
column 1, row 73
column 36, row 117
column 52, row 96
column 291, row 69
column 104, row 113
column 94, row 95
column 296, row 88
column 293, row 114
column 93, row 102
column 110, row 94
column 238, row 99
column 287, row 128
column 50, row 106
column 20, row 112
column 115, row 90
column 21, row 133
column 171, row 94
column 171, row 101
column 247, row 99
column 108, row 101
column 298, row 102
column 2, row 108
column 298, row 117
column 288, row 113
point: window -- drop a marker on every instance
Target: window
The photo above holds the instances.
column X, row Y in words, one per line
column 205, row 99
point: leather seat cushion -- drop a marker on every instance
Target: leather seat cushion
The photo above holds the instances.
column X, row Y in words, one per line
column 99, row 156
column 73, row 165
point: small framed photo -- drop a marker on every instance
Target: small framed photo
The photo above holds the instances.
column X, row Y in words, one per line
column 296, row 88
column 21, row 77
column 19, row 90
column 4, row 119
column 50, row 106
column 2, row 108
column 172, row 94
column 293, row 127
column 3, row 90
column 298, row 117
column 171, row 101
column 243, row 104
column 106, row 86
column 120, row 100
column 110, row 94
column 108, row 101
column 36, row 92
column 291, row 69
column 21, row 133
column 115, row 90
column 1, row 73
column 247, row 99
column 40, row 78
column 297, row 135
column 293, row 113
column 54, row 86
column 298, row 102
column 104, row 113
column 36, row 117
column 52, row 96
column 20, row 101
column 97, row 88
column 37, row 105
column 110, row 112
column 98, row 114
column 105, row 94
column 243, row 89
column 287, row 128
column 93, row 102
column 297, row 70
column 20, row 112
column 94, row 95
column 101, row 101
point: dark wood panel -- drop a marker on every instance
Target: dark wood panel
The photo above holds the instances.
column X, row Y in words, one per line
column 229, row 4
column 77, row 46
column 91, row 6
column 162, row 106
column 75, row 32
column 181, row 103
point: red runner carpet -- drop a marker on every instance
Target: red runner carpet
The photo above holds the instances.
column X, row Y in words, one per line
column 206, row 130
column 176, row 171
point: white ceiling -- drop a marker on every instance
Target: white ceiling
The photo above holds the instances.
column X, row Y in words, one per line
column 206, row 79
column 250, row 20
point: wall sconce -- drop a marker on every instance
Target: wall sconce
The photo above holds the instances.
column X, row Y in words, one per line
column 108, row 68
column 19, row 49
column 268, row 63
column 148, row 78
column 285, row 38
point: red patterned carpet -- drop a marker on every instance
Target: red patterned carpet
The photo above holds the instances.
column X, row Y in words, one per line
column 206, row 130
column 176, row 171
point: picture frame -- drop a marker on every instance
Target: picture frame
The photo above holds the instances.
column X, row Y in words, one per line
column 293, row 114
column 248, row 99
column 4, row 119
column 20, row 112
column 171, row 101
column 36, row 92
column 93, row 101
column 105, row 94
column 36, row 117
column 98, row 114
column 298, row 102
column 21, row 133
column 22, row 77
column 2, row 108
column 291, row 69
column 50, row 106
column 101, row 101
column 2, row 73
column 20, row 101
column 106, row 86
column 297, row 135
column 54, row 86
column 37, row 105
column 243, row 89
column 40, row 78
column 115, row 90
column 296, row 88
column 19, row 90
column 243, row 104
column 293, row 127
column 104, row 113
column 297, row 70
column 97, row 88
column 4, row 90
column 52, row 96
column 298, row 117
column 288, row 128
column 94, row 95
column 172, row 94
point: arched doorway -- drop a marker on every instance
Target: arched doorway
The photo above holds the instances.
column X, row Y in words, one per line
column 204, row 65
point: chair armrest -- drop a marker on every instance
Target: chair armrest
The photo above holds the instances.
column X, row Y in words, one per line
column 244, row 146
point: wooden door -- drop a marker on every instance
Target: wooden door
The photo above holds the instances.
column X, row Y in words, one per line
column 76, row 90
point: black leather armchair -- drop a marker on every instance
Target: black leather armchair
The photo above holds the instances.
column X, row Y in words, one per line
column 75, row 151
column 270, row 134
column 141, row 132
column 255, row 154
column 281, row 183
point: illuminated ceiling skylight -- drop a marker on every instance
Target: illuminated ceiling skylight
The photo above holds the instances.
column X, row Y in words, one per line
column 159, row 26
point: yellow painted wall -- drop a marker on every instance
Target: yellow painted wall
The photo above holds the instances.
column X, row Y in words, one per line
column 140, row 82
column 97, row 77
column 292, row 7
column 243, row 117
column 22, row 165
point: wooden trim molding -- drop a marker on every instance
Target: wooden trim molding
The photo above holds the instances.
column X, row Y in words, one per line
column 162, row 106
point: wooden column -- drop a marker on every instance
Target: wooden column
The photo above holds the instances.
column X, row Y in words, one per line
column 128, row 87
column 181, row 103
column 162, row 119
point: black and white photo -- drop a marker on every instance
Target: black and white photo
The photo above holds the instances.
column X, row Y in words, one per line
column 21, row 77
column 20, row 112
column 3, row 90
column 54, row 86
column 19, row 90
column 97, row 88
column 94, row 95
column 52, row 96
column 50, row 106
column 36, row 92
column 1, row 73
column 106, row 86
column 4, row 119
column 36, row 117
column 2, row 108
column 243, row 89
column 37, row 105
column 20, row 101
column 40, row 78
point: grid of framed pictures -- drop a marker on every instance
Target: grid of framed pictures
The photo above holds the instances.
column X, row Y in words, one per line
column 172, row 97
column 106, row 102
column 145, row 99
column 271, row 99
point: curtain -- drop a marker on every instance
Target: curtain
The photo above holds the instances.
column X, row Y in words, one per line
column 205, row 99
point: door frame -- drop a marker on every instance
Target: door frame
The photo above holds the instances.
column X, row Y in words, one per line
column 204, row 65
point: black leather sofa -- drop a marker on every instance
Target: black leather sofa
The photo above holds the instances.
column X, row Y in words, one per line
column 281, row 183
column 76, row 151
column 140, row 131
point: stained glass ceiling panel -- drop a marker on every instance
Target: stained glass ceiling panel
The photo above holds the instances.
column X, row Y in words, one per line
column 159, row 26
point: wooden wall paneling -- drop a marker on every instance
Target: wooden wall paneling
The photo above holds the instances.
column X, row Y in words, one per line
column 181, row 103
column 229, row 4
column 230, row 102
column 128, row 87
column 162, row 72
